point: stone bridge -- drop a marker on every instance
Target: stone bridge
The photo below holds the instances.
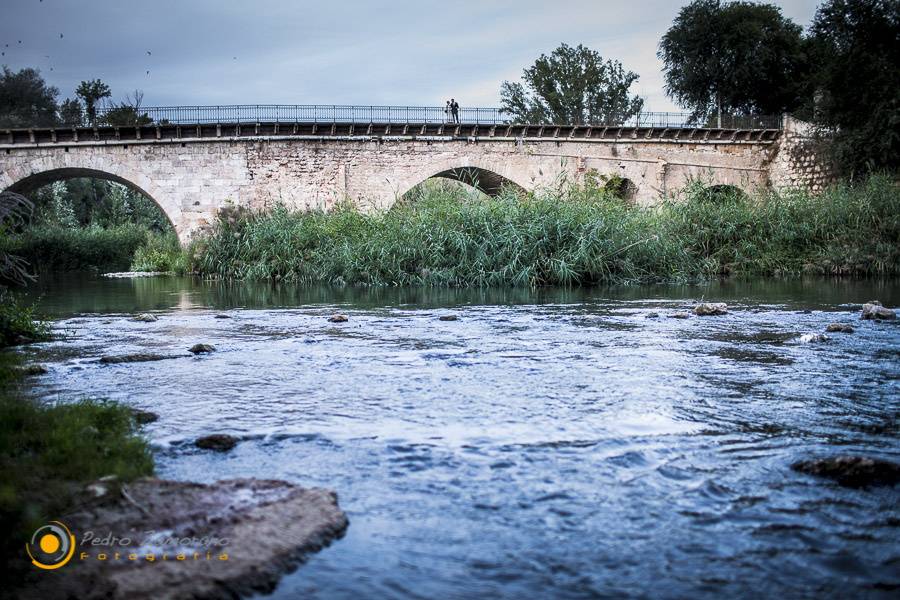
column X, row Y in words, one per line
column 192, row 171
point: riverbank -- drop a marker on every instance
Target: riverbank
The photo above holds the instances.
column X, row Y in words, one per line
column 577, row 236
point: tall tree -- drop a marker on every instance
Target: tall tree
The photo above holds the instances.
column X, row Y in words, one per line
column 733, row 57
column 91, row 92
column 128, row 112
column 856, row 47
column 26, row 100
column 71, row 113
column 572, row 85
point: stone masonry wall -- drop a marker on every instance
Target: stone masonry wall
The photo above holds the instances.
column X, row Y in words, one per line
column 800, row 162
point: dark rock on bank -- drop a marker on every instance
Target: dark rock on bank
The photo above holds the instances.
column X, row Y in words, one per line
column 142, row 417
column 851, row 471
column 236, row 538
column 132, row 358
column 201, row 349
column 219, row 442
column 874, row 310
column 708, row 309
column 839, row 328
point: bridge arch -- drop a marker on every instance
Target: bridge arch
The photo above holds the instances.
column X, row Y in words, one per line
column 485, row 177
column 40, row 175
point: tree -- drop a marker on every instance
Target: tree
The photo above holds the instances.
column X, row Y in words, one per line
column 857, row 81
column 71, row 113
column 26, row 100
column 128, row 112
column 91, row 92
column 572, row 86
column 733, row 57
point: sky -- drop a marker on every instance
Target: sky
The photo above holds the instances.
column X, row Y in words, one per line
column 412, row 53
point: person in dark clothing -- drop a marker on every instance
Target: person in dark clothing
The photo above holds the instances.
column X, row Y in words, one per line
column 454, row 108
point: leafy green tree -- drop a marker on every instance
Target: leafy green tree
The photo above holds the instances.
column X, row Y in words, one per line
column 26, row 100
column 572, row 86
column 71, row 113
column 733, row 57
column 128, row 112
column 92, row 92
column 856, row 50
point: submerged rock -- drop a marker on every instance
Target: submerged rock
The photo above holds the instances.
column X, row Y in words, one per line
column 138, row 357
column 813, row 338
column 839, row 328
column 707, row 309
column 229, row 539
column 651, row 315
column 222, row 316
column 679, row 315
column 448, row 318
column 338, row 318
column 851, row 471
column 874, row 310
column 145, row 318
column 201, row 349
column 142, row 417
column 220, row 442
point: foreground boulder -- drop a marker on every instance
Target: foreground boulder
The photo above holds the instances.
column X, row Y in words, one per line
column 229, row 539
column 201, row 349
column 707, row 309
column 839, row 328
column 138, row 357
column 220, row 442
column 852, row 471
column 874, row 310
column 145, row 318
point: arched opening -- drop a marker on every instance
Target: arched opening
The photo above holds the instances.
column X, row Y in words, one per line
column 90, row 220
column 723, row 193
column 487, row 182
column 464, row 183
column 621, row 187
column 80, row 196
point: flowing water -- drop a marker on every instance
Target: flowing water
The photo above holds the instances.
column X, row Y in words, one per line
column 563, row 443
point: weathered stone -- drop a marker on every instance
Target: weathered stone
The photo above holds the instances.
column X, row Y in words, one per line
column 338, row 318
column 679, row 315
column 839, row 328
column 142, row 417
column 201, row 349
column 813, row 338
column 874, row 310
column 711, row 308
column 138, row 357
column 852, row 471
column 448, row 318
column 145, row 318
column 264, row 528
column 220, row 442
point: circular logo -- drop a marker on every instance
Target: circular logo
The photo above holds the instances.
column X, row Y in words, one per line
column 51, row 546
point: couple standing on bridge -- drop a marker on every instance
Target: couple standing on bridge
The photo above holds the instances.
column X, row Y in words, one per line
column 452, row 111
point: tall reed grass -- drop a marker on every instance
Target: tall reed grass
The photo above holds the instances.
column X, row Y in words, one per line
column 577, row 236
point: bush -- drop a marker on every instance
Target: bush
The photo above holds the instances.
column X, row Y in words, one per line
column 17, row 322
column 50, row 248
column 161, row 253
column 576, row 236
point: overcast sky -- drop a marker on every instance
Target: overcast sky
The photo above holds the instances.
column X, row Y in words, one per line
column 401, row 52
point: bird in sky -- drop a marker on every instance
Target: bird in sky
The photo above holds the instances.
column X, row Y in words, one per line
column 60, row 36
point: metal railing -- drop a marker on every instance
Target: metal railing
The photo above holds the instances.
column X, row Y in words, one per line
column 336, row 113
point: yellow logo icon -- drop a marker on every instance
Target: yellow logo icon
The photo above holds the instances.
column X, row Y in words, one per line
column 51, row 546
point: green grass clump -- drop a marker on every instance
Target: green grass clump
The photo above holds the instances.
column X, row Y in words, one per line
column 572, row 236
column 17, row 322
column 161, row 253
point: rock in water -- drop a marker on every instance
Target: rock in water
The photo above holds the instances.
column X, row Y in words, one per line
column 219, row 442
column 874, row 310
column 201, row 349
column 839, row 328
column 142, row 417
column 447, row 318
column 852, row 471
column 813, row 338
column 145, row 318
column 139, row 357
column 236, row 539
column 679, row 315
column 706, row 309
column 338, row 318
column 222, row 316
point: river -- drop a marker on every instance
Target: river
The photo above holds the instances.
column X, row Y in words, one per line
column 561, row 443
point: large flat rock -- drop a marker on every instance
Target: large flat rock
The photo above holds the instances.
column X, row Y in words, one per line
column 267, row 527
